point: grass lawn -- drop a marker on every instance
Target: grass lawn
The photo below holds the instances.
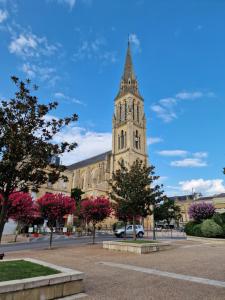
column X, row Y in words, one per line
column 138, row 241
column 19, row 269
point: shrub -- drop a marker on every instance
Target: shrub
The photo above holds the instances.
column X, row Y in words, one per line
column 201, row 211
column 197, row 231
column 189, row 228
column 218, row 218
column 210, row 228
column 193, row 228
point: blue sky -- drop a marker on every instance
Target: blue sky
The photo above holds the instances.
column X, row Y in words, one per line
column 75, row 50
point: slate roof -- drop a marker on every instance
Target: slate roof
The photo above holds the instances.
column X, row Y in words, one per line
column 89, row 161
column 182, row 198
column 205, row 198
column 222, row 195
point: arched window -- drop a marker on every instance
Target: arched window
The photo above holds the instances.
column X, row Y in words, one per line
column 133, row 109
column 136, row 140
column 122, row 139
column 118, row 141
column 138, row 112
column 129, row 81
column 125, row 139
column 120, row 112
column 125, row 109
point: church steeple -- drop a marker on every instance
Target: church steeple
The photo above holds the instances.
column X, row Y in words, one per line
column 128, row 67
column 128, row 83
column 129, row 122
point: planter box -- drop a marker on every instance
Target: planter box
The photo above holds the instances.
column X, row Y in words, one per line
column 68, row 282
column 135, row 248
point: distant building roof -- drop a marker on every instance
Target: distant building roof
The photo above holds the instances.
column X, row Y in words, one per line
column 182, row 198
column 89, row 161
column 222, row 195
column 205, row 198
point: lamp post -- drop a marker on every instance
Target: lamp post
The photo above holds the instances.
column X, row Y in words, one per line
column 171, row 210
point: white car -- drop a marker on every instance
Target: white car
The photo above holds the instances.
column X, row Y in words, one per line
column 120, row 232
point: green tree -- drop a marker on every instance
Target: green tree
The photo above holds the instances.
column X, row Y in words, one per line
column 167, row 211
column 134, row 188
column 27, row 144
column 76, row 194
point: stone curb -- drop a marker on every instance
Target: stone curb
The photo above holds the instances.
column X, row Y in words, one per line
column 204, row 239
column 66, row 275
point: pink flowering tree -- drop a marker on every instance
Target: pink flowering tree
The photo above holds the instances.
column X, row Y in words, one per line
column 95, row 210
column 54, row 207
column 201, row 211
column 20, row 209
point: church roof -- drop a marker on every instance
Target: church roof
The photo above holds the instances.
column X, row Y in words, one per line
column 89, row 161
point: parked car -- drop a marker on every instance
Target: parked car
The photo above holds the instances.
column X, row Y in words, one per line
column 120, row 232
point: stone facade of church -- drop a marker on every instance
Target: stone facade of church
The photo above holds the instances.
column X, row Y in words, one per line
column 128, row 141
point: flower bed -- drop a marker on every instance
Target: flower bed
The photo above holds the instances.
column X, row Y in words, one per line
column 50, row 281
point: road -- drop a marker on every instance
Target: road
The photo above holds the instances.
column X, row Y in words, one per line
column 61, row 241
column 58, row 242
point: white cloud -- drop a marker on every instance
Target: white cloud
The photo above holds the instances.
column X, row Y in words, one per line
column 90, row 143
column 135, row 41
column 3, row 15
column 209, row 187
column 28, row 45
column 200, row 154
column 189, row 96
column 165, row 108
column 189, row 163
column 173, row 153
column 60, row 95
column 40, row 72
column 154, row 140
column 94, row 49
column 70, row 3
column 194, row 160
column 166, row 114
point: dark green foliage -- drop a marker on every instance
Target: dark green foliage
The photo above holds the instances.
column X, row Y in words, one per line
column 76, row 194
column 134, row 191
column 189, row 227
column 27, row 144
column 19, row 269
column 167, row 211
column 210, row 228
column 117, row 225
column 197, row 230
column 219, row 219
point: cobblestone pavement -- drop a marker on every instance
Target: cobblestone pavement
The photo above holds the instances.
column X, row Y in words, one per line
column 108, row 281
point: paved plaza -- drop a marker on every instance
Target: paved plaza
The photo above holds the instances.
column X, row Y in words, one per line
column 189, row 270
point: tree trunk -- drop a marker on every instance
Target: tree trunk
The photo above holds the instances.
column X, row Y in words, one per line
column 153, row 221
column 125, row 232
column 93, row 234
column 134, row 231
column 3, row 215
column 17, row 232
column 50, row 240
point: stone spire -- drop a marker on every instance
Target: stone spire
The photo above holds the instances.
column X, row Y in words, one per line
column 128, row 67
column 128, row 83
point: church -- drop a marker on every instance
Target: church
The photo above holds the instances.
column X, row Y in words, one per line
column 128, row 142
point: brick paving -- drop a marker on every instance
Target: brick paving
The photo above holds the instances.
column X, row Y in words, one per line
column 105, row 282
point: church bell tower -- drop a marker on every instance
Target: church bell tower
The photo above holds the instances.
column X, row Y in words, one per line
column 129, row 123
